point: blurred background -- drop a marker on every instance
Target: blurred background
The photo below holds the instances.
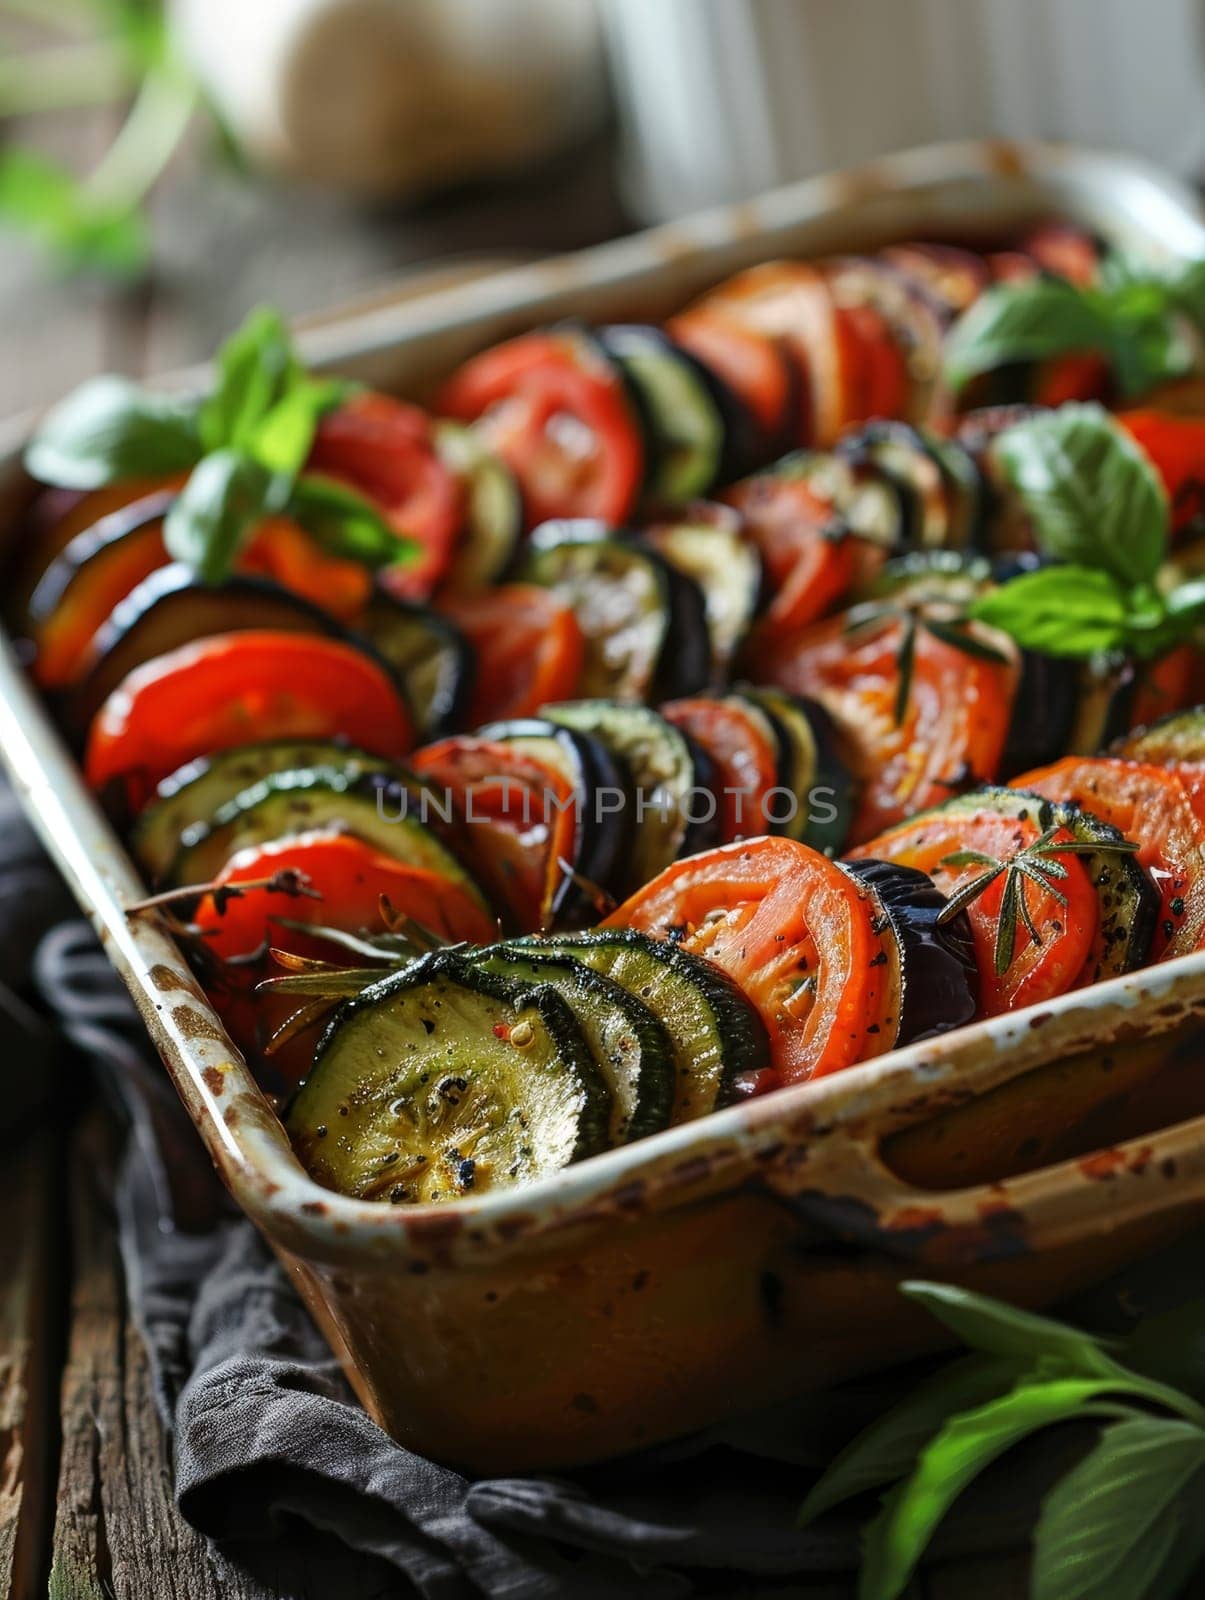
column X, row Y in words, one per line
column 165, row 164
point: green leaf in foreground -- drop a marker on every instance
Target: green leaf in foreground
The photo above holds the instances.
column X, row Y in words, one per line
column 110, row 429
column 345, row 524
column 1110, row 1528
column 1006, row 1331
column 55, row 208
column 1030, row 321
column 964, row 1446
column 253, row 369
column 220, row 504
column 1093, row 496
column 888, row 1449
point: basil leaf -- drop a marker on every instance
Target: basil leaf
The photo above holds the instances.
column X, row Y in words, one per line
column 910, row 1514
column 1061, row 611
column 345, row 524
column 888, row 1449
column 225, row 497
column 51, row 204
column 254, row 368
column 1092, row 494
column 1108, row 1528
column 1028, row 321
column 1003, row 1330
column 1186, row 290
column 284, row 437
column 110, row 429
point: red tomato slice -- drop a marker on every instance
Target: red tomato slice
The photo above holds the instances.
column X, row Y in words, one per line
column 283, row 551
column 1037, row 972
column 85, row 603
column 742, row 746
column 351, row 877
column 808, row 558
column 791, row 300
column 384, row 448
column 518, row 825
column 1149, row 805
column 558, row 413
column 955, row 722
column 806, row 943
column 1176, row 448
column 885, row 385
column 529, row 649
column 239, row 688
column 755, row 366
column 1083, row 376
column 1067, row 251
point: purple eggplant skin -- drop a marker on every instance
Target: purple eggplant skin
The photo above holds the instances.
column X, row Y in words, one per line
column 602, row 838
column 939, row 978
column 1043, row 714
column 75, row 555
column 685, row 664
column 173, row 607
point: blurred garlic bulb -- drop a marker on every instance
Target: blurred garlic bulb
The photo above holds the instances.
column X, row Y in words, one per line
column 388, row 97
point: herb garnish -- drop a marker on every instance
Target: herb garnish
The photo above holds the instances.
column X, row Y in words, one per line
column 1146, row 323
column 1036, row 863
column 949, row 629
column 1124, row 1523
column 244, row 445
column 1099, row 508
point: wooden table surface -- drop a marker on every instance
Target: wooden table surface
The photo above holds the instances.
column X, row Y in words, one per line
column 86, row 1503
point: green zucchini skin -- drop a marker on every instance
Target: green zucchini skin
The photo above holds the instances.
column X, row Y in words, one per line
column 445, row 1080
column 1128, row 900
column 870, row 504
column 193, row 795
column 431, row 657
column 686, row 432
column 717, row 1036
column 381, row 808
column 1178, row 737
column 712, row 551
column 664, row 765
column 632, row 1047
column 493, row 526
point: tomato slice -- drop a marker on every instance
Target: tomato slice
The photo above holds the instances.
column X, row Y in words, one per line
column 385, row 449
column 558, row 413
column 791, row 300
column 84, row 605
column 517, row 823
column 755, row 366
column 1037, row 972
column 1085, row 375
column 1176, row 448
column 281, row 550
column 809, row 559
column 529, row 649
column 742, row 747
column 351, row 877
column 883, row 366
column 240, row 688
column 956, row 716
column 1067, row 251
column 1150, row 805
column 806, row 943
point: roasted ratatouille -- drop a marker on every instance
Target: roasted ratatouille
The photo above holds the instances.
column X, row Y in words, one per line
column 669, row 715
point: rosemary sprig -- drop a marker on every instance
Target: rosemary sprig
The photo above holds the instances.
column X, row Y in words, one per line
column 1036, row 863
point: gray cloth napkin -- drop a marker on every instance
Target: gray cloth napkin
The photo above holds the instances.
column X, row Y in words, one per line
column 277, row 1463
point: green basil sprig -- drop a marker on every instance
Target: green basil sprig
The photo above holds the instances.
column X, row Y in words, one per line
column 1147, row 324
column 1098, row 507
column 244, row 446
column 1123, row 1524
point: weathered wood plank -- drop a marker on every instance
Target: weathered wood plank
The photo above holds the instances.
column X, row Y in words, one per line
column 28, row 1349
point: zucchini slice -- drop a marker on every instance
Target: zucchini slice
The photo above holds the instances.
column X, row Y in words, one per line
column 603, row 834
column 812, row 766
column 1127, row 899
column 645, row 624
column 939, row 981
column 429, row 654
column 677, row 397
column 728, row 570
column 676, row 810
column 631, row 1046
column 872, row 505
column 193, row 795
column 943, row 504
column 493, row 525
column 444, row 1080
column 1174, row 739
column 173, row 607
column 717, row 1035
column 382, row 808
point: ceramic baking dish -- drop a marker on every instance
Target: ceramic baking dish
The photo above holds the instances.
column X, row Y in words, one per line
column 723, row 1264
